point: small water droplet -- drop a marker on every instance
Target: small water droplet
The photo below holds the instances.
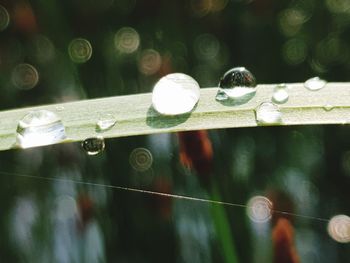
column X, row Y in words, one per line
column 236, row 84
column 268, row 113
column 94, row 145
column 38, row 128
column 259, row 209
column 328, row 107
column 59, row 108
column 280, row 94
column 105, row 122
column 315, row 84
column 141, row 159
column 80, row 50
column 175, row 94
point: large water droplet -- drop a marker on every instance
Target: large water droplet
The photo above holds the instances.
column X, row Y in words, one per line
column 93, row 146
column 80, row 50
column 268, row 113
column 315, row 84
column 280, row 94
column 259, row 209
column 41, row 127
column 105, row 122
column 141, row 159
column 175, row 94
column 237, row 84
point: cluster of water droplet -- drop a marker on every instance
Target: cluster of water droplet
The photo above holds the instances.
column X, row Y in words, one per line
column 174, row 94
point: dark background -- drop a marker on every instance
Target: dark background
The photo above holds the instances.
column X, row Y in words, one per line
column 304, row 170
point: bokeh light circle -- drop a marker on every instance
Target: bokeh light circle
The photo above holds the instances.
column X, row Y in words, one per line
column 339, row 228
column 25, row 76
column 80, row 50
column 149, row 62
column 141, row 159
column 259, row 209
column 126, row 40
column 4, row 18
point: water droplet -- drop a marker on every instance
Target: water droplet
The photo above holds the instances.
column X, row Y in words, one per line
column 38, row 128
column 175, row 94
column 315, row 84
column 25, row 76
column 59, row 108
column 105, row 122
column 280, row 94
column 80, row 50
column 141, row 159
column 268, row 113
column 339, row 228
column 237, row 84
column 93, row 146
column 259, row 209
column 4, row 18
column 328, row 107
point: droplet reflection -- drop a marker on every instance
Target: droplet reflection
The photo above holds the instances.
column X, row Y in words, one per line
column 259, row 209
column 339, row 228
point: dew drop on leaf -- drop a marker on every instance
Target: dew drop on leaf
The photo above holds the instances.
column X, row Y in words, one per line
column 94, row 145
column 175, row 94
column 280, row 94
column 315, row 83
column 38, row 128
column 236, row 84
column 105, row 122
column 268, row 113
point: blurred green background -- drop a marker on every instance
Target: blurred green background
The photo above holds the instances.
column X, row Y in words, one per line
column 65, row 50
